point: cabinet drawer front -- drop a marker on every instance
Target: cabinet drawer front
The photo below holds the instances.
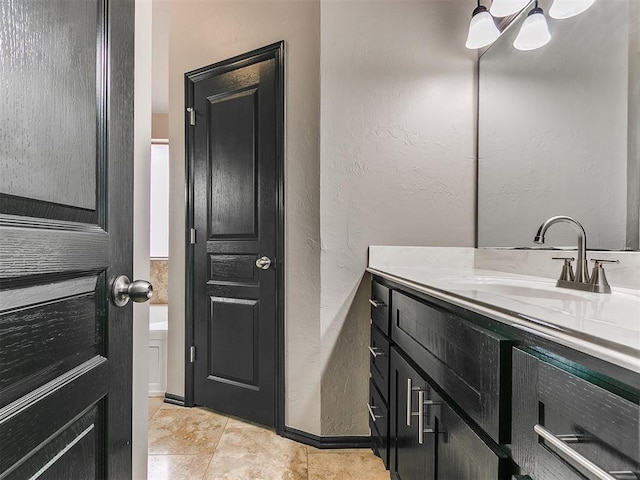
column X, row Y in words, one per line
column 379, row 365
column 380, row 307
column 471, row 364
column 379, row 424
column 606, row 425
column 462, row 454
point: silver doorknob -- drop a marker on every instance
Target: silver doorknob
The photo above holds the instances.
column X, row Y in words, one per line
column 263, row 263
column 124, row 290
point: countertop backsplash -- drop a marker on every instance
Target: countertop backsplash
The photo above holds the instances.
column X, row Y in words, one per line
column 538, row 262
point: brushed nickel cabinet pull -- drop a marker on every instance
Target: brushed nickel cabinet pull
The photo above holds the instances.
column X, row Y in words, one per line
column 409, row 391
column 373, row 415
column 375, row 352
column 569, row 453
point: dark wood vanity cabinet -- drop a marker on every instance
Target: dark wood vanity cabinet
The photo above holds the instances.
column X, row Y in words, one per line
column 426, row 362
column 492, row 402
column 379, row 350
column 569, row 427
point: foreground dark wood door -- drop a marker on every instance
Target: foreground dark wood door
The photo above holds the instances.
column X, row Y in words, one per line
column 66, row 168
column 233, row 149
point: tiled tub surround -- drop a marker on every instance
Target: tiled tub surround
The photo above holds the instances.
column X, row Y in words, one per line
column 159, row 280
column 481, row 280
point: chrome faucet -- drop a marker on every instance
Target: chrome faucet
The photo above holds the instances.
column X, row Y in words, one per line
column 582, row 273
column 597, row 282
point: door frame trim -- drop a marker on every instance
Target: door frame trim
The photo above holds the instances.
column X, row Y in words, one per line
column 275, row 51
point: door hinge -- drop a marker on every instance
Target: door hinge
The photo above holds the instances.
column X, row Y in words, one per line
column 192, row 354
column 193, row 236
column 192, row 115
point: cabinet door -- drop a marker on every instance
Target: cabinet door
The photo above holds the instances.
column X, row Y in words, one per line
column 461, row 453
column 412, row 454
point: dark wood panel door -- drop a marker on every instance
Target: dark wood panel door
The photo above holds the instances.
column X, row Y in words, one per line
column 66, row 144
column 412, row 455
column 234, row 141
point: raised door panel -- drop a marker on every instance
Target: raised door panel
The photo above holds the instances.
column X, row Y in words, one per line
column 62, row 331
column 235, row 269
column 58, row 90
column 70, row 454
column 232, row 123
column 233, row 341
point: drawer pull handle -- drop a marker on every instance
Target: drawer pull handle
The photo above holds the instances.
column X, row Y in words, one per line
column 570, row 453
column 421, row 404
column 376, row 303
column 409, row 392
column 574, row 438
column 430, row 403
column 421, row 417
column 375, row 352
column 625, row 475
column 373, row 415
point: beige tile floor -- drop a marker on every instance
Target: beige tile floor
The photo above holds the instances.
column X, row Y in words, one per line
column 200, row 444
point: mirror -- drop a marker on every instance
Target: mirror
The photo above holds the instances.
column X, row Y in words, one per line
column 559, row 131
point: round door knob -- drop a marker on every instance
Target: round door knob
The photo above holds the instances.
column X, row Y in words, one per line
column 263, row 263
column 124, row 290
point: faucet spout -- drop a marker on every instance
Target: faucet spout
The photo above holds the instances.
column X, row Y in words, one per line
column 582, row 273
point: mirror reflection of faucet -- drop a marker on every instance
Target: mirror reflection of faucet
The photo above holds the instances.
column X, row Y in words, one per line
column 581, row 280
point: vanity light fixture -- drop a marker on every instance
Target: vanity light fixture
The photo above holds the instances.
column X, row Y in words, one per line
column 482, row 28
column 562, row 9
column 534, row 32
column 504, row 8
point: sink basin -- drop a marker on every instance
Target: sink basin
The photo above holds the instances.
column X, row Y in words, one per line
column 517, row 288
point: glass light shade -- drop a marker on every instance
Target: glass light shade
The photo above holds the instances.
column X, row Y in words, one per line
column 562, row 9
column 482, row 29
column 504, row 8
column 534, row 32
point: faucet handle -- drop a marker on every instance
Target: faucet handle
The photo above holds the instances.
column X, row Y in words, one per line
column 598, row 278
column 567, row 270
column 598, row 262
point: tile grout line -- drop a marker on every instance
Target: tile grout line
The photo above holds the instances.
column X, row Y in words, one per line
column 209, row 464
column 224, row 429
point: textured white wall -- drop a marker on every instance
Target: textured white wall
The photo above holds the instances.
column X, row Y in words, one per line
column 202, row 33
column 397, row 164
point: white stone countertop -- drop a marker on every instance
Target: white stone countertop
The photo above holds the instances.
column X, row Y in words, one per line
column 606, row 326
